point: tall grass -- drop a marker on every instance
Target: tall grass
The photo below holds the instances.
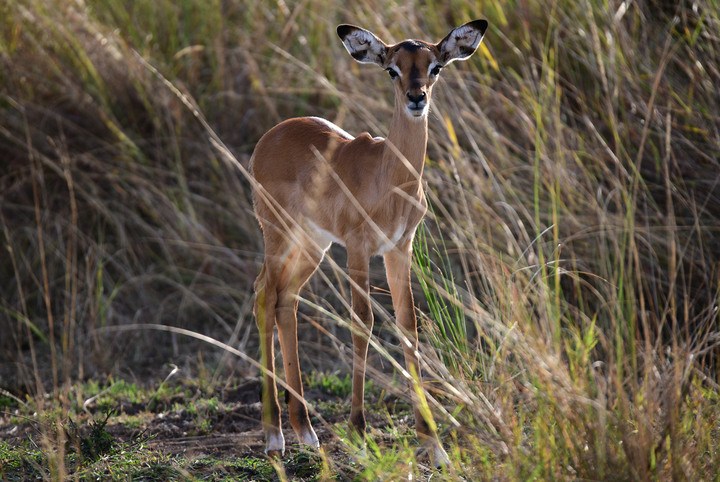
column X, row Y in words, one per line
column 570, row 317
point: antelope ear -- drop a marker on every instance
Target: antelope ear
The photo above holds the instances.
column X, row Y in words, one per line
column 462, row 42
column 364, row 46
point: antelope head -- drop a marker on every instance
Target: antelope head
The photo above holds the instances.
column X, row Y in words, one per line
column 413, row 65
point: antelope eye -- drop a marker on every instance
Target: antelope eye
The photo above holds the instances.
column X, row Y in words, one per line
column 436, row 70
column 393, row 73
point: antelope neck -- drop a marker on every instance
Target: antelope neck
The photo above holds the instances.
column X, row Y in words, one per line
column 409, row 136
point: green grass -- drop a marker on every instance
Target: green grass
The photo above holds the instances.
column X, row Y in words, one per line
column 113, row 445
column 331, row 383
column 83, row 451
column 567, row 276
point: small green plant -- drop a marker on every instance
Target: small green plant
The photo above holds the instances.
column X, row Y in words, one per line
column 205, row 426
column 7, row 402
column 212, row 405
column 249, row 468
column 96, row 443
column 305, row 466
column 330, row 383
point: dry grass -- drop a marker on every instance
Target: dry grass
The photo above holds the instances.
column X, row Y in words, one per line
column 571, row 315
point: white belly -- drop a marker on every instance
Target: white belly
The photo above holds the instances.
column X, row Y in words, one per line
column 384, row 244
column 389, row 242
column 322, row 237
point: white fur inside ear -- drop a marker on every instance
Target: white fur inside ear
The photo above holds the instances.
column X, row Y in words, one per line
column 461, row 43
column 365, row 47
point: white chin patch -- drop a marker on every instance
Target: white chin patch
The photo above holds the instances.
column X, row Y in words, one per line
column 417, row 113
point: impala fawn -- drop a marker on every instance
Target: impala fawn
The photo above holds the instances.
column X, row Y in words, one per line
column 316, row 184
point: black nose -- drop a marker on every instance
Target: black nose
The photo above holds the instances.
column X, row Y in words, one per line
column 416, row 98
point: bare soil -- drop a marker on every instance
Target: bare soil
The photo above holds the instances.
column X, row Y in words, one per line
column 182, row 428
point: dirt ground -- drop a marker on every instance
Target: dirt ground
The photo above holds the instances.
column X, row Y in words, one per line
column 172, row 429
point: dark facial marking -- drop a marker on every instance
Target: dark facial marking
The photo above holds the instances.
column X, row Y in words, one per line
column 411, row 45
column 415, row 77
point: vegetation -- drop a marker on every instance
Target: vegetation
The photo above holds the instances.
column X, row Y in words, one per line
column 570, row 264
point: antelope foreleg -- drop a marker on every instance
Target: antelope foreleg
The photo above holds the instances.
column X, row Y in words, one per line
column 361, row 327
column 397, row 265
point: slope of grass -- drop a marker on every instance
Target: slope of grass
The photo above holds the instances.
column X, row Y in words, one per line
column 571, row 309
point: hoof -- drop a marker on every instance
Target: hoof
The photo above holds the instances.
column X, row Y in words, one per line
column 274, row 454
column 359, row 456
column 274, row 444
column 438, row 457
column 309, row 438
